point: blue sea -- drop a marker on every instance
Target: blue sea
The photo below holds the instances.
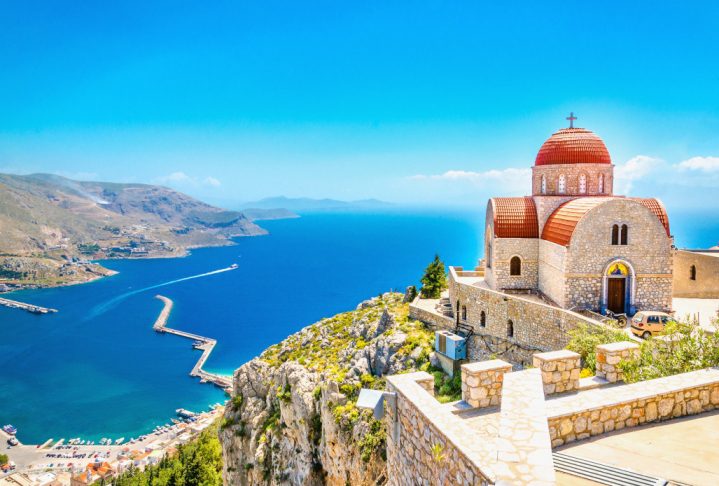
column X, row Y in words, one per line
column 96, row 368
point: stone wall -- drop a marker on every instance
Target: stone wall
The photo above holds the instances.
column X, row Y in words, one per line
column 572, row 173
column 551, row 270
column 423, row 451
column 534, row 325
column 506, row 248
column 648, row 252
column 706, row 282
column 595, row 412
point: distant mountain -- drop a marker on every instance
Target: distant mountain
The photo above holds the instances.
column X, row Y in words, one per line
column 308, row 204
column 259, row 214
column 48, row 222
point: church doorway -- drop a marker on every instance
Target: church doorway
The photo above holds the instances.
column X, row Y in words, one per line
column 616, row 290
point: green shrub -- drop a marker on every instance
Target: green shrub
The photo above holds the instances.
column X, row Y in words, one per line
column 682, row 347
column 584, row 339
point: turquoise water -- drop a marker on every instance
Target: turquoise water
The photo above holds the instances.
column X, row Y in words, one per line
column 96, row 369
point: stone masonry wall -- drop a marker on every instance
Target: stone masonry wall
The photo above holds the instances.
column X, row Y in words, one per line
column 648, row 252
column 551, row 270
column 706, row 284
column 422, row 453
column 572, row 173
column 524, row 248
column 605, row 410
column 535, row 325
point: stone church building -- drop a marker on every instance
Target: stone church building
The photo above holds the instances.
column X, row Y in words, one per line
column 575, row 242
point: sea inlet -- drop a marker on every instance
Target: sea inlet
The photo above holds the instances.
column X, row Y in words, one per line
column 97, row 369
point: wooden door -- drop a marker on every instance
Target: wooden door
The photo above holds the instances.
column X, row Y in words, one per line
column 615, row 294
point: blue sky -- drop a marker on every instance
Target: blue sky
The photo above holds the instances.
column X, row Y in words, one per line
column 416, row 102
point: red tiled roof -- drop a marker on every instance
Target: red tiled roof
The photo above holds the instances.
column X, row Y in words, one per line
column 656, row 206
column 573, row 146
column 561, row 223
column 514, row 217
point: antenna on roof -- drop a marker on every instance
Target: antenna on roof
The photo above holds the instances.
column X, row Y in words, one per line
column 571, row 119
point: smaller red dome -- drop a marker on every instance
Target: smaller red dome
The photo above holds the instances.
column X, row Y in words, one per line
column 573, row 146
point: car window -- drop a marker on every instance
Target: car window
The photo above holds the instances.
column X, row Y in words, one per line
column 637, row 318
column 653, row 320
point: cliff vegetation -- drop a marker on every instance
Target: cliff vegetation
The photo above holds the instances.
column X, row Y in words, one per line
column 293, row 417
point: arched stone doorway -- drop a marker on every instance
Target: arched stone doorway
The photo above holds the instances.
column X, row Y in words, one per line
column 618, row 288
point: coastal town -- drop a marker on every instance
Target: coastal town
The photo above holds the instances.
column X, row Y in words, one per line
column 79, row 462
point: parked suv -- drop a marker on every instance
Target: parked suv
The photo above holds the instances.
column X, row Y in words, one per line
column 648, row 323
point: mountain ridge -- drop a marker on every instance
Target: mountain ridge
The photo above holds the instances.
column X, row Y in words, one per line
column 50, row 226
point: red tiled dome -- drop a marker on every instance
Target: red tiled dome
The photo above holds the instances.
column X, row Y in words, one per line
column 573, row 146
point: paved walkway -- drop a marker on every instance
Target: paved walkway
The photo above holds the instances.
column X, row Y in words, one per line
column 685, row 450
column 703, row 309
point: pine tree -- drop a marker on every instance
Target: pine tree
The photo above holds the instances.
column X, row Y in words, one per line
column 434, row 280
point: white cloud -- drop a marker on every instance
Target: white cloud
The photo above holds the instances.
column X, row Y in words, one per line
column 510, row 180
column 180, row 179
column 634, row 169
column 703, row 164
column 211, row 181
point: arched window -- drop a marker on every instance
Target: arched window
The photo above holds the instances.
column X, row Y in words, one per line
column 483, row 319
column 464, row 312
column 615, row 234
column 582, row 184
column 562, row 184
column 544, row 184
column 515, row 266
column 600, row 189
column 510, row 328
column 625, row 235
column 693, row 272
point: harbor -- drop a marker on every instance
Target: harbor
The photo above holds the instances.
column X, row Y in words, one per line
column 205, row 344
column 35, row 309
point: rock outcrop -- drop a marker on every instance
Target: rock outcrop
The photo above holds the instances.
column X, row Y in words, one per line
column 293, row 418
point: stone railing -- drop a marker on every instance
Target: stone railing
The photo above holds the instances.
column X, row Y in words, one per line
column 610, row 355
column 560, row 370
column 594, row 412
column 482, row 382
column 432, row 443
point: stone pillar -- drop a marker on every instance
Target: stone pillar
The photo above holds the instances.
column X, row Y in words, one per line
column 427, row 384
column 609, row 356
column 560, row 370
column 482, row 382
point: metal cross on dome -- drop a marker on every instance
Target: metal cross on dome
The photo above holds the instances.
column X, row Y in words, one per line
column 571, row 119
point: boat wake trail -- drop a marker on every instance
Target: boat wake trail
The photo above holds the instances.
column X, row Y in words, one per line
column 105, row 306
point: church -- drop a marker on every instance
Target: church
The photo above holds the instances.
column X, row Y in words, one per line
column 573, row 241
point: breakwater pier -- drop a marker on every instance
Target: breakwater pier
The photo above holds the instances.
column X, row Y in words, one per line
column 35, row 309
column 205, row 344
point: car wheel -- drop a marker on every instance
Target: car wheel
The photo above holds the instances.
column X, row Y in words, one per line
column 647, row 335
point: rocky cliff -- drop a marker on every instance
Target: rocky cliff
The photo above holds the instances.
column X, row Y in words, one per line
column 293, row 418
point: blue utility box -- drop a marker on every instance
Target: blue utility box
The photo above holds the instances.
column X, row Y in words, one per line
column 451, row 345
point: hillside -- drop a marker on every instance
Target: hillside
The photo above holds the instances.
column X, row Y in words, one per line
column 293, row 419
column 50, row 226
